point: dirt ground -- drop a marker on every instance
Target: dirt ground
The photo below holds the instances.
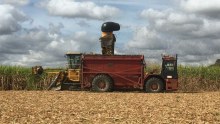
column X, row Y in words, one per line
column 70, row 107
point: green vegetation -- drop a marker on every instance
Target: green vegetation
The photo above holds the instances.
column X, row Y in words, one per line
column 14, row 70
column 153, row 68
column 199, row 78
column 191, row 79
column 18, row 78
column 208, row 73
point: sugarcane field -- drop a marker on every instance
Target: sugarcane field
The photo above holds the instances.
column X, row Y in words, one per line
column 109, row 62
column 196, row 101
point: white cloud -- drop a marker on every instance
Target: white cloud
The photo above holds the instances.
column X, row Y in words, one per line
column 10, row 19
column 17, row 2
column 209, row 8
column 37, row 46
column 193, row 36
column 53, row 44
column 146, row 39
column 171, row 21
column 190, row 29
column 210, row 28
column 152, row 14
column 85, row 9
column 55, row 29
column 198, row 5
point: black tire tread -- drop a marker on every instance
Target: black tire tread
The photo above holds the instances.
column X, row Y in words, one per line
column 153, row 80
column 102, row 77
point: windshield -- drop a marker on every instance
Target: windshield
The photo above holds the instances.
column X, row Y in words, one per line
column 169, row 68
column 73, row 61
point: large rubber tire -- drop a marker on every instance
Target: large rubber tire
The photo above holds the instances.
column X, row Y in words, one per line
column 154, row 85
column 102, row 83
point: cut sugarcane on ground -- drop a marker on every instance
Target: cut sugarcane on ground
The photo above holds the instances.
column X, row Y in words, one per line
column 115, row 107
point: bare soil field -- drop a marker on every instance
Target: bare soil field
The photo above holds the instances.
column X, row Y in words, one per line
column 70, row 107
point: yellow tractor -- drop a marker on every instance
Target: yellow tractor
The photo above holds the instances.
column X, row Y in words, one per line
column 68, row 79
column 74, row 62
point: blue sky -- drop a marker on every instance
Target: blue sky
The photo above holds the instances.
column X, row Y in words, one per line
column 40, row 32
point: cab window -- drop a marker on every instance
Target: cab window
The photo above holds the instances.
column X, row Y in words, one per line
column 73, row 61
column 169, row 66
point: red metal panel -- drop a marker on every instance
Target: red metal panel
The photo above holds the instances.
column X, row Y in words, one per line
column 171, row 84
column 127, row 71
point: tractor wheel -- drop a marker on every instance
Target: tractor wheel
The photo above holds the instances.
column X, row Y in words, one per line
column 102, row 83
column 154, row 85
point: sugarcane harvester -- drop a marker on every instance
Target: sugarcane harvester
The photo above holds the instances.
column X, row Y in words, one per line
column 107, row 71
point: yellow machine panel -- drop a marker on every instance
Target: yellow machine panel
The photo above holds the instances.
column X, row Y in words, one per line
column 74, row 74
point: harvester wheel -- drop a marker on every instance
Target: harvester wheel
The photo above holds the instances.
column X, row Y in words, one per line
column 154, row 85
column 102, row 83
